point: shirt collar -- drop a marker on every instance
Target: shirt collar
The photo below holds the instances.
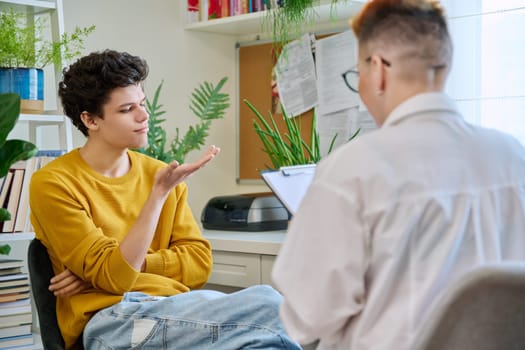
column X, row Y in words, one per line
column 421, row 103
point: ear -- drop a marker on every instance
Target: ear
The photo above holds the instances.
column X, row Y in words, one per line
column 90, row 121
column 379, row 74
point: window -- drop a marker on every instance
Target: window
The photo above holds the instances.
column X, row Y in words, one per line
column 488, row 71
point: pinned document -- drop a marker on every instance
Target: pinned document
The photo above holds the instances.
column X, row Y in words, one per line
column 290, row 184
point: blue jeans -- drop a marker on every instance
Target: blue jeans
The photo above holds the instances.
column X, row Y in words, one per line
column 201, row 319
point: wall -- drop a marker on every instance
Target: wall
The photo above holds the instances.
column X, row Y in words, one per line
column 485, row 63
column 155, row 31
column 488, row 73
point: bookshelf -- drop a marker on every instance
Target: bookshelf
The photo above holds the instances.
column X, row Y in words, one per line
column 41, row 129
column 19, row 240
column 327, row 18
column 14, row 237
column 36, row 6
column 35, row 121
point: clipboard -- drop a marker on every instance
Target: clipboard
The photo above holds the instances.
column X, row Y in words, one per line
column 290, row 183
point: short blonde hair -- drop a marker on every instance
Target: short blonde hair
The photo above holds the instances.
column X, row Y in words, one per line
column 419, row 25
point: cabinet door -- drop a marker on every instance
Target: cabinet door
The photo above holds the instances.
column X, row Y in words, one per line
column 235, row 269
column 267, row 262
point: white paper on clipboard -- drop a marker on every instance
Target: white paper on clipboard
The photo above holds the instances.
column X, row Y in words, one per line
column 289, row 184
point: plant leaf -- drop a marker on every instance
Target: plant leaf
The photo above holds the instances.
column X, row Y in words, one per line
column 4, row 215
column 208, row 102
column 5, row 249
column 12, row 151
column 9, row 110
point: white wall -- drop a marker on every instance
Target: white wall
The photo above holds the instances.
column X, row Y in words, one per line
column 487, row 71
column 155, row 31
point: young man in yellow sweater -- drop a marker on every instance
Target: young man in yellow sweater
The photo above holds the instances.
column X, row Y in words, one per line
column 124, row 244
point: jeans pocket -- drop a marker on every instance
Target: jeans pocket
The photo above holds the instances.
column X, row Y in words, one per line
column 142, row 329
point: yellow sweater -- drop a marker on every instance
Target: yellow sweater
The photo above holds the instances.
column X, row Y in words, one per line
column 81, row 216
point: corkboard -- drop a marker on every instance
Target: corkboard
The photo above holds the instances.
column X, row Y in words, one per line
column 255, row 85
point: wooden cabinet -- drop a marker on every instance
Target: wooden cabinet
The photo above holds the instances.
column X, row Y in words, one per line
column 235, row 269
column 243, row 259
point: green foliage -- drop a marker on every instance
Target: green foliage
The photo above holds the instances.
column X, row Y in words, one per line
column 207, row 103
column 11, row 151
column 289, row 20
column 22, row 46
column 5, row 249
column 288, row 148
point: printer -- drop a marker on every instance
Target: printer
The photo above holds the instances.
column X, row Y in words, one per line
column 245, row 212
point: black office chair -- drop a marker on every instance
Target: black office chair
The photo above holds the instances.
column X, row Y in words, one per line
column 483, row 311
column 40, row 272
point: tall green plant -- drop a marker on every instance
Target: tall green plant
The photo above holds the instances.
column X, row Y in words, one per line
column 11, row 151
column 207, row 103
column 288, row 148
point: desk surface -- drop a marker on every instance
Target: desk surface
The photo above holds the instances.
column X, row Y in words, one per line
column 265, row 242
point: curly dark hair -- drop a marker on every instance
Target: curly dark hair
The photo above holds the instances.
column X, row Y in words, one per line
column 87, row 83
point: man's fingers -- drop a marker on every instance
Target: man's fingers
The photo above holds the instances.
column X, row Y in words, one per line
column 73, row 288
column 61, row 282
column 208, row 155
column 175, row 173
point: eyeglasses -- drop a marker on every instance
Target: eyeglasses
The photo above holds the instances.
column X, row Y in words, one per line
column 351, row 76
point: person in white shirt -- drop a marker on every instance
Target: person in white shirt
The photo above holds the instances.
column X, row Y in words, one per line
column 394, row 217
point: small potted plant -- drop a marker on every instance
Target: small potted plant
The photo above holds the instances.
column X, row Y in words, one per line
column 24, row 52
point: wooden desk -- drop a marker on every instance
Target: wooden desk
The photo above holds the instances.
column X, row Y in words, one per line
column 242, row 259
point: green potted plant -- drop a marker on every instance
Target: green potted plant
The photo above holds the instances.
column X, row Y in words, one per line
column 11, row 151
column 207, row 103
column 290, row 18
column 24, row 52
column 288, row 147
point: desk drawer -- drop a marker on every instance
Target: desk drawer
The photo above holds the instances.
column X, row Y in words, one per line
column 267, row 262
column 235, row 269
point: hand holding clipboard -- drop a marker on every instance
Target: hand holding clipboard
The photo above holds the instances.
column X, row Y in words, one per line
column 290, row 183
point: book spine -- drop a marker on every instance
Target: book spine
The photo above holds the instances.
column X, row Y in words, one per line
column 237, row 7
column 214, row 10
column 13, row 199
column 55, row 152
column 192, row 12
column 225, row 8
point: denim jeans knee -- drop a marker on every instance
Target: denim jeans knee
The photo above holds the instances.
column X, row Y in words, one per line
column 201, row 319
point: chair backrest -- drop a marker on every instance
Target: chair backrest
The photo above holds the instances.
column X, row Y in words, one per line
column 40, row 272
column 483, row 311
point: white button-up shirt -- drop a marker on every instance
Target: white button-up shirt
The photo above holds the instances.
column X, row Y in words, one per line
column 392, row 218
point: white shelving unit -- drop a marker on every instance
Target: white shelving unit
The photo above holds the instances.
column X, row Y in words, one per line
column 36, row 121
column 20, row 240
column 326, row 18
column 36, row 124
column 32, row 5
column 19, row 236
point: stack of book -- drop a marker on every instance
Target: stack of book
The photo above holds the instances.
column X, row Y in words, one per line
column 14, row 191
column 203, row 10
column 15, row 305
